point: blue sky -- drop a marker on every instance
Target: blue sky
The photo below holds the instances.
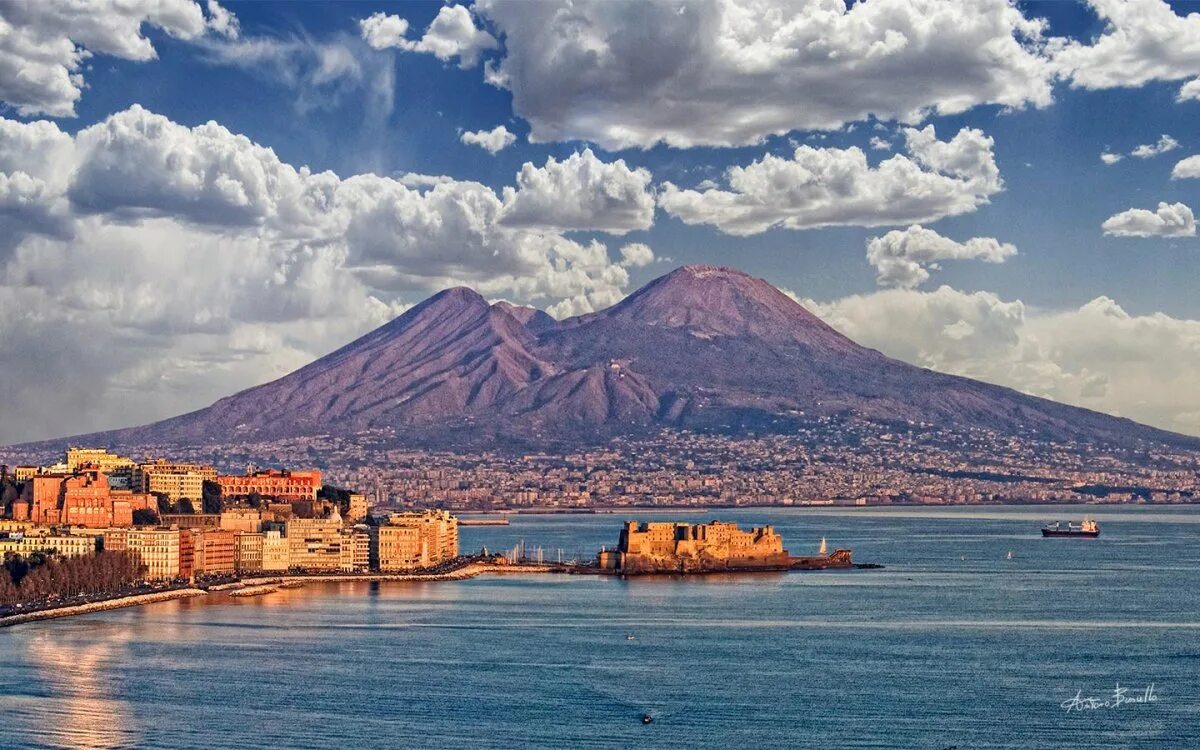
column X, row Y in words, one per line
column 1101, row 318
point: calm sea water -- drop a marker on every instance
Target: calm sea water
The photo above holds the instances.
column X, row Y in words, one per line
column 953, row 645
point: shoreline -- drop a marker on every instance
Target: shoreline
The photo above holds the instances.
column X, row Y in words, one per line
column 466, row 572
column 104, row 605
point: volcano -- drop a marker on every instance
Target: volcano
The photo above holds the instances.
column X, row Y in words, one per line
column 703, row 347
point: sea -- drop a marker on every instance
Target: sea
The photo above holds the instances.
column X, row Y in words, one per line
column 954, row 644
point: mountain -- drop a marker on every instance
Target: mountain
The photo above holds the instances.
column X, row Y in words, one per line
column 703, row 347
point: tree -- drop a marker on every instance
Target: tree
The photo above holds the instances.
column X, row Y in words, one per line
column 146, row 517
column 184, row 506
column 255, row 500
column 164, row 503
column 211, row 497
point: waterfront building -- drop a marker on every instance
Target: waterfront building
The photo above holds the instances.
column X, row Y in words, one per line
column 414, row 540
column 680, row 547
column 276, row 551
column 273, row 483
column 64, row 545
column 159, row 550
column 356, row 550
column 248, row 551
column 214, row 552
column 315, row 543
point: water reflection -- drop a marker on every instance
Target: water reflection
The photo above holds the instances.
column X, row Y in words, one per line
column 75, row 668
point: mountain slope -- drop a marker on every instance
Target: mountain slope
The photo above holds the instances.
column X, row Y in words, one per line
column 703, row 347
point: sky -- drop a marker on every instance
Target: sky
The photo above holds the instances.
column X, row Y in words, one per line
column 198, row 197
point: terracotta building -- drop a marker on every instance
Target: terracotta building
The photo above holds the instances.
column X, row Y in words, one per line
column 80, row 499
column 274, row 483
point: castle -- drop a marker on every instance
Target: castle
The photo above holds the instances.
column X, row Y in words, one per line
column 699, row 548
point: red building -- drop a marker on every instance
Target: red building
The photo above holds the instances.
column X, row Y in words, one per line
column 80, row 499
column 272, row 483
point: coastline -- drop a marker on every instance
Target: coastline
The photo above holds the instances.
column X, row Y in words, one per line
column 471, row 570
column 121, row 602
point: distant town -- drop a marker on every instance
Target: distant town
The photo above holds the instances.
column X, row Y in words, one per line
column 830, row 462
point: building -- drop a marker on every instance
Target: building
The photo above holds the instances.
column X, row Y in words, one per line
column 174, row 480
column 159, row 550
column 80, row 499
column 276, row 552
column 63, row 545
column 77, row 458
column 192, row 520
column 409, row 541
column 248, row 551
column 214, row 552
column 683, row 548
column 356, row 550
column 358, row 508
column 238, row 519
column 315, row 543
column 273, row 483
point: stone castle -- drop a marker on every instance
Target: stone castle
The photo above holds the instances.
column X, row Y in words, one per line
column 699, row 548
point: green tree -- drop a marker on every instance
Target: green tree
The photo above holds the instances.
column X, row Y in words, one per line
column 146, row 517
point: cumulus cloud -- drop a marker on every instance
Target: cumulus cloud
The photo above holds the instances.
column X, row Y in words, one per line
column 44, row 45
column 724, row 73
column 493, row 141
column 1189, row 92
column 902, row 258
column 820, row 187
column 636, row 255
column 453, row 33
column 1097, row 356
column 580, row 192
column 1146, row 150
column 1170, row 220
column 1142, row 41
column 1110, row 158
column 206, row 264
column 1186, row 168
column 880, row 144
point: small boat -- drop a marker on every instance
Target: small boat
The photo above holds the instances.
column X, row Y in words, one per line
column 1010, row 554
column 1088, row 529
column 647, row 718
column 629, row 636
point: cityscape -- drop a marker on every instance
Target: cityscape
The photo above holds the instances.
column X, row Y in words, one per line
column 701, row 374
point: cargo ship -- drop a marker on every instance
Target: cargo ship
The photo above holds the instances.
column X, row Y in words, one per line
column 1088, row 529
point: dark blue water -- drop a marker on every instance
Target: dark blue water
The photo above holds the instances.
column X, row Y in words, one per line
column 951, row 645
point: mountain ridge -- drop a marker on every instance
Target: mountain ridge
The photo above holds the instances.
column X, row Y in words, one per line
column 704, row 347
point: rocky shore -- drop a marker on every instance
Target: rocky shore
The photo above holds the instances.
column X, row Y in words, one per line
column 100, row 606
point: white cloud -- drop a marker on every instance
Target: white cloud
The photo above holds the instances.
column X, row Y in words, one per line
column 580, row 192
column 902, row 258
column 453, row 33
column 493, row 141
column 1110, row 158
column 381, row 31
column 1097, row 356
column 1170, row 220
column 820, row 187
column 1189, row 92
column 204, row 264
column 1186, row 168
column 1146, row 150
column 880, row 144
column 222, row 21
column 1142, row 41
column 730, row 73
column 44, row 45
column 636, row 255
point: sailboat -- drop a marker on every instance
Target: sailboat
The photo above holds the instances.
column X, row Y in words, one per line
column 823, row 550
column 1010, row 554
